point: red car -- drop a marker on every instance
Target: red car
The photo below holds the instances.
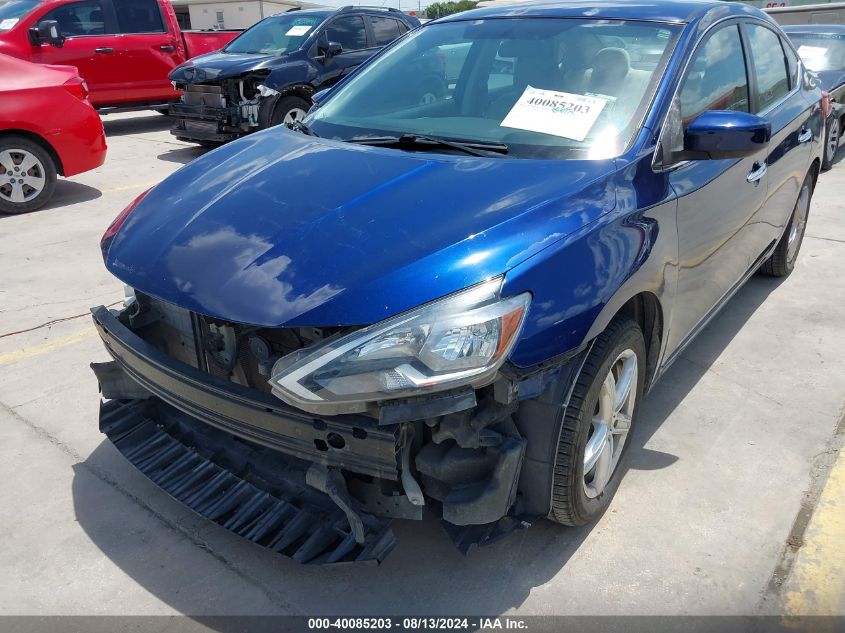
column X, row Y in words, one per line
column 47, row 127
column 124, row 49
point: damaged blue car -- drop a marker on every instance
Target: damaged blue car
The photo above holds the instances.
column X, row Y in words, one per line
column 455, row 305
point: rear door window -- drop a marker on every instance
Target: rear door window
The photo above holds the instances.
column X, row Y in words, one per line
column 769, row 66
column 385, row 30
column 349, row 32
column 79, row 18
column 138, row 16
column 716, row 78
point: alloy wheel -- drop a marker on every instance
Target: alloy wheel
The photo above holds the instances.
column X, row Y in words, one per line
column 798, row 223
column 293, row 115
column 22, row 176
column 611, row 423
column 832, row 140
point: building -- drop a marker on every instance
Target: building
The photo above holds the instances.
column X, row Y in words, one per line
column 231, row 14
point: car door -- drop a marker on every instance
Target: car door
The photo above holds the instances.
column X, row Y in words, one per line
column 90, row 45
column 350, row 32
column 776, row 96
column 147, row 51
column 717, row 199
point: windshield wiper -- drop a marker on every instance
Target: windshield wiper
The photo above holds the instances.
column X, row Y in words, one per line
column 474, row 148
column 299, row 126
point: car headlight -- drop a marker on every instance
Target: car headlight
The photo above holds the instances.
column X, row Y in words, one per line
column 461, row 339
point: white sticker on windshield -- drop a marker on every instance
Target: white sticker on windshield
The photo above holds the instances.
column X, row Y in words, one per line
column 8, row 23
column 300, row 29
column 811, row 52
column 558, row 113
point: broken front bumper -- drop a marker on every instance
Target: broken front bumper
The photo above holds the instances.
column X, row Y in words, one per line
column 354, row 443
column 319, row 489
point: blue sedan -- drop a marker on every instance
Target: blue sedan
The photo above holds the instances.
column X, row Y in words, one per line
column 455, row 300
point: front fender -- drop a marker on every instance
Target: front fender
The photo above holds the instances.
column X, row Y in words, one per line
column 580, row 283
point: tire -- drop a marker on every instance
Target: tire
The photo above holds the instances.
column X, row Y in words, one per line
column 831, row 142
column 782, row 261
column 24, row 160
column 289, row 109
column 579, row 494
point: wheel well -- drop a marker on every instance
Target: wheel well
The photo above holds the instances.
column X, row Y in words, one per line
column 646, row 311
column 40, row 141
column 815, row 168
column 302, row 91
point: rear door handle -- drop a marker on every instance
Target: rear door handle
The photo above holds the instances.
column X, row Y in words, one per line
column 167, row 48
column 756, row 173
column 105, row 50
column 805, row 135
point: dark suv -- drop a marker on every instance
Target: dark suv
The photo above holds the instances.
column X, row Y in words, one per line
column 267, row 75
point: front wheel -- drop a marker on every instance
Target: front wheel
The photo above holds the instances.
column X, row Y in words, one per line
column 289, row 110
column 831, row 145
column 782, row 261
column 27, row 175
column 597, row 423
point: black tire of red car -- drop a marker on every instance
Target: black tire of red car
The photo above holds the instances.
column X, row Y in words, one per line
column 831, row 141
column 572, row 502
column 44, row 168
column 285, row 106
column 782, row 261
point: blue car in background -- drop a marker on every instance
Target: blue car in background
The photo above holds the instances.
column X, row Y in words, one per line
column 822, row 50
column 455, row 304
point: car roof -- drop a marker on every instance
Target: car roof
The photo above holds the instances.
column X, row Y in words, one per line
column 676, row 11
column 815, row 28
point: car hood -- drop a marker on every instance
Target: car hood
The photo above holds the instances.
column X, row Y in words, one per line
column 830, row 79
column 221, row 65
column 283, row 229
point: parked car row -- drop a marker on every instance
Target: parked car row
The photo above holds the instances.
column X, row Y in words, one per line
column 123, row 51
column 450, row 301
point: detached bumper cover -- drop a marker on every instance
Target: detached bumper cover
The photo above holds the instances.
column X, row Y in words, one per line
column 353, row 443
column 249, row 490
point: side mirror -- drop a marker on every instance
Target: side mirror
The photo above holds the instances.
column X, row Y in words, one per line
column 47, row 32
column 721, row 134
column 330, row 49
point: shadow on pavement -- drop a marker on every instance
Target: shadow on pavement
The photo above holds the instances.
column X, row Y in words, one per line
column 424, row 575
column 154, row 122
column 67, row 193
column 183, row 155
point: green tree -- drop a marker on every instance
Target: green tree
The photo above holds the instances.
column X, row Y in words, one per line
column 439, row 9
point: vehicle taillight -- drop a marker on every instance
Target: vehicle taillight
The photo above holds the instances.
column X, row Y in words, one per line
column 825, row 104
column 77, row 87
column 114, row 227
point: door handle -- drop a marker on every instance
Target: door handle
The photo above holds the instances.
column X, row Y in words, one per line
column 805, row 135
column 105, row 50
column 756, row 173
column 167, row 48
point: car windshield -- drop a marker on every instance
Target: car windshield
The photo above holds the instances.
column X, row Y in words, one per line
column 12, row 12
column 545, row 88
column 276, row 35
column 821, row 51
